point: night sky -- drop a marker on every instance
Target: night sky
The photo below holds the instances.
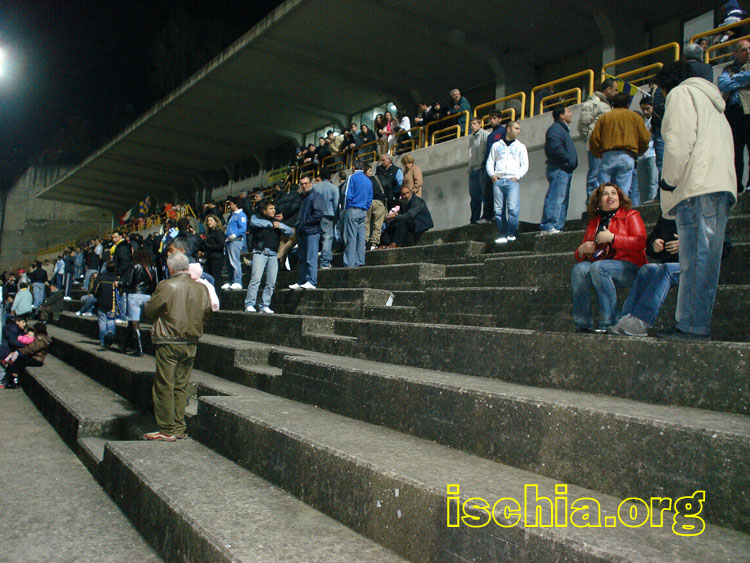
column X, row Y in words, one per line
column 80, row 71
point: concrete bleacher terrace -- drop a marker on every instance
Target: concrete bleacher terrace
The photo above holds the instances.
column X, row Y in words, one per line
column 331, row 430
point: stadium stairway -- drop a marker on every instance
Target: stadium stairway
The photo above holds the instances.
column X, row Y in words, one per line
column 382, row 415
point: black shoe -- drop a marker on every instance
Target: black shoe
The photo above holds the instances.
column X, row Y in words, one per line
column 677, row 334
column 108, row 339
column 584, row 329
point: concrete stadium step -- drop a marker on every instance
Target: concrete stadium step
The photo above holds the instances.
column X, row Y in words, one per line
column 711, row 375
column 196, row 505
column 518, row 424
column 393, row 313
column 53, row 510
column 395, row 488
column 391, row 277
column 441, row 253
column 464, row 281
column 407, row 298
column 553, row 270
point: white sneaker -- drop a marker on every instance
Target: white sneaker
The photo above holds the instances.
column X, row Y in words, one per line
column 235, row 286
column 308, row 285
column 373, row 247
column 250, row 309
column 501, row 240
column 88, row 315
column 295, row 286
column 266, row 310
column 226, row 286
column 552, row 231
column 511, row 239
column 66, row 298
column 78, row 313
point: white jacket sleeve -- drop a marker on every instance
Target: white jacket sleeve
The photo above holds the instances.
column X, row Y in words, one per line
column 679, row 129
column 491, row 162
column 523, row 161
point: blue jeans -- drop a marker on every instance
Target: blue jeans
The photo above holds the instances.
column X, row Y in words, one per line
column 308, row 258
column 507, row 197
column 326, row 252
column 354, row 237
column 233, row 258
column 59, row 280
column 475, row 194
column 648, row 178
column 88, row 302
column 87, row 279
column 136, row 303
column 105, row 325
column 604, row 276
column 701, row 225
column 659, row 149
column 262, row 261
column 650, row 290
column 556, row 201
column 37, row 290
column 592, row 178
column 617, row 167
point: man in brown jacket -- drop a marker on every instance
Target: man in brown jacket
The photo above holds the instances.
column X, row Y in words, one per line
column 178, row 307
column 619, row 138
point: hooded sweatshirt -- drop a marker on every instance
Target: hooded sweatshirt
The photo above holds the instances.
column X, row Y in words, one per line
column 699, row 152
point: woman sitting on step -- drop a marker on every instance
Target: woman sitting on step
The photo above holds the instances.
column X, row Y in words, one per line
column 613, row 249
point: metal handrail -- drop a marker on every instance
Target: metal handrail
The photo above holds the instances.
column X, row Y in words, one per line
column 362, row 157
column 413, row 131
column 707, row 55
column 587, row 73
column 453, row 116
column 278, row 174
column 718, row 30
column 564, row 101
column 521, row 95
column 630, row 73
column 512, row 111
column 666, row 47
column 450, row 128
column 376, row 143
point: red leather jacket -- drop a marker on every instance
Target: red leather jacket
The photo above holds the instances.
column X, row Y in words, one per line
column 630, row 237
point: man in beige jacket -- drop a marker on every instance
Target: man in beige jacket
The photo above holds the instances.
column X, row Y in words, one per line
column 698, row 187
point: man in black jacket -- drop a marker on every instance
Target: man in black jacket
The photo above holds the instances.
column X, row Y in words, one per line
column 193, row 242
column 53, row 306
column 106, row 307
column 562, row 159
column 412, row 217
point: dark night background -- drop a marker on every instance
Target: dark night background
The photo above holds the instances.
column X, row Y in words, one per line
column 80, row 71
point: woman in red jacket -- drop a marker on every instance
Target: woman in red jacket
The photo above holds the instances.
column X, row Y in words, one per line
column 613, row 249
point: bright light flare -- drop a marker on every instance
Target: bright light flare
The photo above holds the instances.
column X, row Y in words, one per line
column 2, row 62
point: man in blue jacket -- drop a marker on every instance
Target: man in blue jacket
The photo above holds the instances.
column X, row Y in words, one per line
column 330, row 195
column 308, row 235
column 236, row 229
column 358, row 201
column 562, row 159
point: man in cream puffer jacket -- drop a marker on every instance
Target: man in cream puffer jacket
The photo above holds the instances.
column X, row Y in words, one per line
column 698, row 188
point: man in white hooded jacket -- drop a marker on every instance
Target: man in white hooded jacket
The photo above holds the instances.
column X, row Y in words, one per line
column 698, row 187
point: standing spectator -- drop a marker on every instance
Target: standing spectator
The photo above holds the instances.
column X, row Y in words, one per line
column 236, row 229
column 376, row 213
column 425, row 114
column 330, row 195
column 507, row 164
column 106, row 304
column 496, row 134
column 138, row 283
column 69, row 257
column 562, row 160
column 213, row 246
column 693, row 54
column 366, row 136
column 266, row 239
column 185, row 232
column 647, row 174
column 459, row 104
column 122, row 255
column 59, row 271
column 412, row 175
column 23, row 301
column 93, row 263
column 619, row 137
column 357, row 201
column 287, row 210
column 38, row 278
column 308, row 236
column 734, row 81
column 591, row 110
column 378, row 125
column 391, row 178
column 178, row 308
column 477, row 171
column 412, row 217
column 78, row 265
column 698, row 187
column 48, row 267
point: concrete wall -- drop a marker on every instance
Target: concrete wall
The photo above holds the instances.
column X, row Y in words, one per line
column 30, row 224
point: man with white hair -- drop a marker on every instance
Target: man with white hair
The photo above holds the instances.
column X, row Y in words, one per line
column 457, row 105
column 178, row 308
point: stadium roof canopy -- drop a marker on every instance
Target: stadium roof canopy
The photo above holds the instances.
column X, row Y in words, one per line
column 314, row 62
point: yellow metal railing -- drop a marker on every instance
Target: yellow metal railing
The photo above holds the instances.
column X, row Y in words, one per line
column 710, row 55
column 673, row 47
column 401, row 146
column 588, row 74
column 718, row 30
column 518, row 95
column 450, row 131
column 451, row 117
column 506, row 115
column 559, row 99
column 277, row 175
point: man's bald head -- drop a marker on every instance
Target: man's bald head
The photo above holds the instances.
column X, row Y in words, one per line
column 742, row 52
